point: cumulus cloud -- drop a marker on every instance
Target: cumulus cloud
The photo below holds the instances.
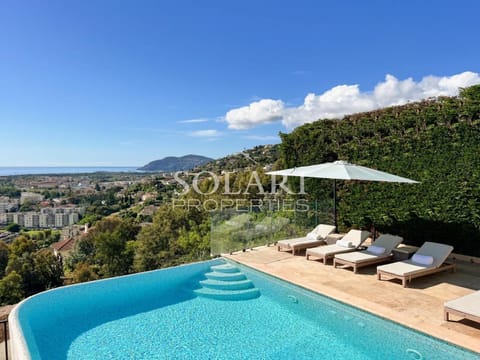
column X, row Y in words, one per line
column 334, row 103
column 348, row 99
column 205, row 133
column 259, row 112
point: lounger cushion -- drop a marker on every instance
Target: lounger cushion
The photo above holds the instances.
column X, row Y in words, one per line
column 345, row 243
column 290, row 242
column 305, row 242
column 322, row 231
column 328, row 250
column 377, row 250
column 358, row 257
column 403, row 268
column 388, row 242
column 356, row 237
column 439, row 252
column 469, row 304
column 319, row 233
column 422, row 259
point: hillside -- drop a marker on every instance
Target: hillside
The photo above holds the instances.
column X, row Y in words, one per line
column 262, row 155
column 436, row 142
column 172, row 163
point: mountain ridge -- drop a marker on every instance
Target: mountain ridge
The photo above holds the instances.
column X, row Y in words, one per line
column 174, row 163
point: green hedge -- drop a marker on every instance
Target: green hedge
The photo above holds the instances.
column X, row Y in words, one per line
column 436, row 142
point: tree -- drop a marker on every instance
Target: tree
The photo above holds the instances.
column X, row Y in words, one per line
column 194, row 244
column 109, row 245
column 3, row 258
column 39, row 270
column 15, row 228
column 10, row 190
column 158, row 244
column 83, row 253
column 48, row 269
column 11, row 291
column 27, row 206
column 111, row 254
column 20, row 246
column 84, row 272
column 89, row 219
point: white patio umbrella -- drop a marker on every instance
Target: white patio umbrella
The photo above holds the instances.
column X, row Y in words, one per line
column 341, row 170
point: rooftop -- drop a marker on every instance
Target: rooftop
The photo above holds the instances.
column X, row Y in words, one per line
column 420, row 306
column 64, row 245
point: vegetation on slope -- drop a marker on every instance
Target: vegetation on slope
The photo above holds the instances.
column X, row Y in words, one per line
column 260, row 155
column 27, row 269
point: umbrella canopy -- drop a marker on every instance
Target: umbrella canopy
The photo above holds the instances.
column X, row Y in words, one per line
column 341, row 170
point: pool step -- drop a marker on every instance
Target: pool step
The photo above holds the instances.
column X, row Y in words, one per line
column 227, row 282
column 227, row 285
column 218, row 294
column 225, row 268
column 226, row 276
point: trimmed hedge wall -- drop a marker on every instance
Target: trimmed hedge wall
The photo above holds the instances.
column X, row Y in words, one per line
column 436, row 142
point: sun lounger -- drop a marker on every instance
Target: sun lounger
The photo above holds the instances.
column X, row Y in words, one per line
column 380, row 251
column 350, row 242
column 467, row 307
column 429, row 259
column 314, row 238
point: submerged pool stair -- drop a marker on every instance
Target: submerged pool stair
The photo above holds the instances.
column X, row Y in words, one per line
column 227, row 282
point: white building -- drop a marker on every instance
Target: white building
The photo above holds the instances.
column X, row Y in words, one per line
column 30, row 197
column 46, row 220
column 31, row 220
column 73, row 218
column 18, row 218
column 8, row 207
column 6, row 218
column 61, row 220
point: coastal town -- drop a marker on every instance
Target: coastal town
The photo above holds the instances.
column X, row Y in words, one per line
column 68, row 203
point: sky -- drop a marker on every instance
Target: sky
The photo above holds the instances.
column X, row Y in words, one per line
column 125, row 82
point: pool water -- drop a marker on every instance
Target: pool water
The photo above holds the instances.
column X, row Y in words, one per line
column 158, row 315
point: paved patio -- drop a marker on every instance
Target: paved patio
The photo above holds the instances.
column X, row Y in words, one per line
column 420, row 306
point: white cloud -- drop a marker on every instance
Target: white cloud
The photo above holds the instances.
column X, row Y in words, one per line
column 259, row 112
column 193, row 121
column 205, row 133
column 334, row 103
column 348, row 99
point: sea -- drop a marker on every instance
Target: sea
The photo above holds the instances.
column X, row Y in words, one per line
column 33, row 170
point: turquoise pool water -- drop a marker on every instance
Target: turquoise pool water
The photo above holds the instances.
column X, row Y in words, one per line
column 158, row 315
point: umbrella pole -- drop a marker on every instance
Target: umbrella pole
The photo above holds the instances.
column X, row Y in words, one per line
column 335, row 205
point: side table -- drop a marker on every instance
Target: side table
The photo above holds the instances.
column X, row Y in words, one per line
column 403, row 252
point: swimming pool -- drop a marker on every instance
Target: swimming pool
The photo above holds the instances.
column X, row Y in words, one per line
column 175, row 314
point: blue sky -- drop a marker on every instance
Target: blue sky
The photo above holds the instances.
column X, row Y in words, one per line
column 118, row 83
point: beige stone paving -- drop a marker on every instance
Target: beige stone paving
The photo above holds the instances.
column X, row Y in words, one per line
column 420, row 306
